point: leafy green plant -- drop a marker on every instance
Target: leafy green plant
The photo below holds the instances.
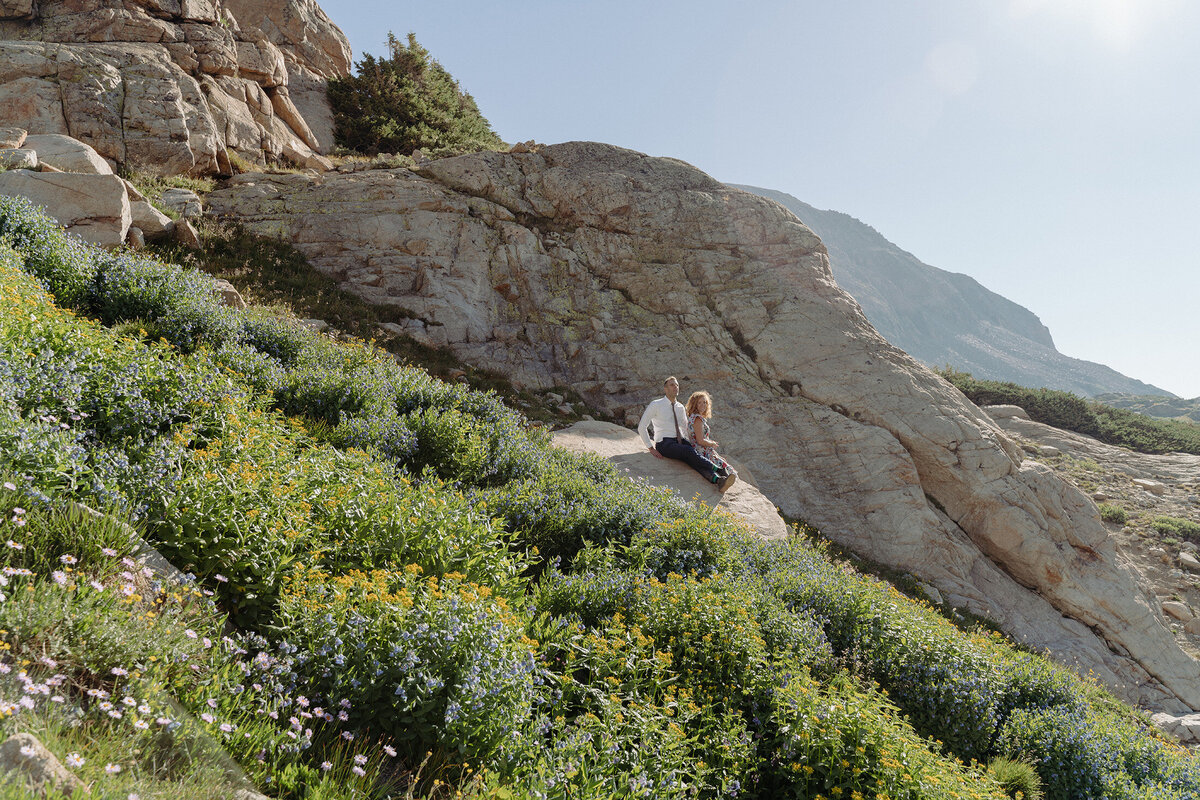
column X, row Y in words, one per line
column 1114, row 514
column 1177, row 527
column 435, row 663
column 64, row 264
column 404, row 102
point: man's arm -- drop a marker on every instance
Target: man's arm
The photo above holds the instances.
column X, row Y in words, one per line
column 644, row 428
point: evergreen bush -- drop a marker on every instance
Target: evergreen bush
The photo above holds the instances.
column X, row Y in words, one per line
column 404, row 102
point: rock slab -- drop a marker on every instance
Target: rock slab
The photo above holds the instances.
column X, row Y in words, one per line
column 25, row 761
column 625, row 450
column 93, row 207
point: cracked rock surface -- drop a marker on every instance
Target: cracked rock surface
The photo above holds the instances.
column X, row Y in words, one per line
column 169, row 86
column 587, row 265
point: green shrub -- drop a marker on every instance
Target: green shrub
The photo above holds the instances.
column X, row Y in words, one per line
column 1177, row 527
column 1018, row 778
column 837, row 740
column 1115, row 514
column 448, row 441
column 64, row 264
column 178, row 305
column 577, row 499
column 404, row 102
column 433, row 663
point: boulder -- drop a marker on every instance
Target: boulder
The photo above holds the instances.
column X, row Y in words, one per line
column 94, row 207
column 26, row 762
column 1153, row 487
column 1005, row 412
column 1185, row 728
column 183, row 202
column 1178, row 610
column 18, row 158
column 843, row 430
column 183, row 233
column 1189, row 562
column 932, row 594
column 625, row 450
column 67, row 154
column 229, row 295
column 151, row 222
column 12, row 138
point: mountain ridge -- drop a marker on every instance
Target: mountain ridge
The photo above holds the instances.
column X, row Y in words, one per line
column 941, row 317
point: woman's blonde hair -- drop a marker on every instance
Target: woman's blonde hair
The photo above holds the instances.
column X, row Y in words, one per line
column 694, row 402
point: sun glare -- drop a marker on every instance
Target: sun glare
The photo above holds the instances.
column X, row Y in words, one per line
column 1118, row 24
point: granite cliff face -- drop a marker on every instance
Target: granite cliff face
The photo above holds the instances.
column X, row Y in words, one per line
column 941, row 317
column 173, row 86
column 601, row 268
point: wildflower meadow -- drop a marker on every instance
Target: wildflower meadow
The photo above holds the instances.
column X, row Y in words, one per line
column 236, row 553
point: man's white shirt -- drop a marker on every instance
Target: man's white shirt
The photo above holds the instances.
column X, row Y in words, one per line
column 658, row 414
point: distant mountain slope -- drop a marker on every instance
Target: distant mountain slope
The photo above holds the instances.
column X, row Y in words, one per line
column 942, row 317
column 1151, row 406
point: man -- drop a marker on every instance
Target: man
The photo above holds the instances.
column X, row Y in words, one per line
column 667, row 416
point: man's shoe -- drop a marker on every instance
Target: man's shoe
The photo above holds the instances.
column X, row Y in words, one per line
column 727, row 481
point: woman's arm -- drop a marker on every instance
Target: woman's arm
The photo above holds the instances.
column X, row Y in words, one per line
column 698, row 434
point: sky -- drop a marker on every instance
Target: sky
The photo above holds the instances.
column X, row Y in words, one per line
column 1050, row 149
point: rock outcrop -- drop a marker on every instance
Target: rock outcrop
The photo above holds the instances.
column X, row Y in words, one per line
column 93, row 207
column 170, row 86
column 624, row 449
column 78, row 188
column 587, row 265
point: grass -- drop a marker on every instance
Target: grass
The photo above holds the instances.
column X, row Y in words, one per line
column 153, row 186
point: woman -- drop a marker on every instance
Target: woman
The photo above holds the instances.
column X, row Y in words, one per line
column 699, row 410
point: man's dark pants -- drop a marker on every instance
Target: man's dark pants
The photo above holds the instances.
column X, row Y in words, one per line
column 683, row 451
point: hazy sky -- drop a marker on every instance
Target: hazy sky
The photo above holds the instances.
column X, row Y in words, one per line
column 1048, row 148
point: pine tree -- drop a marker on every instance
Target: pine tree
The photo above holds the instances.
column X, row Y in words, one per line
column 405, row 102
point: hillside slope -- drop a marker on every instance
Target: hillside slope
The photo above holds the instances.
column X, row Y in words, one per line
column 941, row 317
column 589, row 266
column 1153, row 406
column 391, row 633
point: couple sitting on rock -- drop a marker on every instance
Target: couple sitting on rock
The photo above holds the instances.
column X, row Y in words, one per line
column 685, row 440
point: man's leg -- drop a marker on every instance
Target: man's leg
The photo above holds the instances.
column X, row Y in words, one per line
column 683, row 451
